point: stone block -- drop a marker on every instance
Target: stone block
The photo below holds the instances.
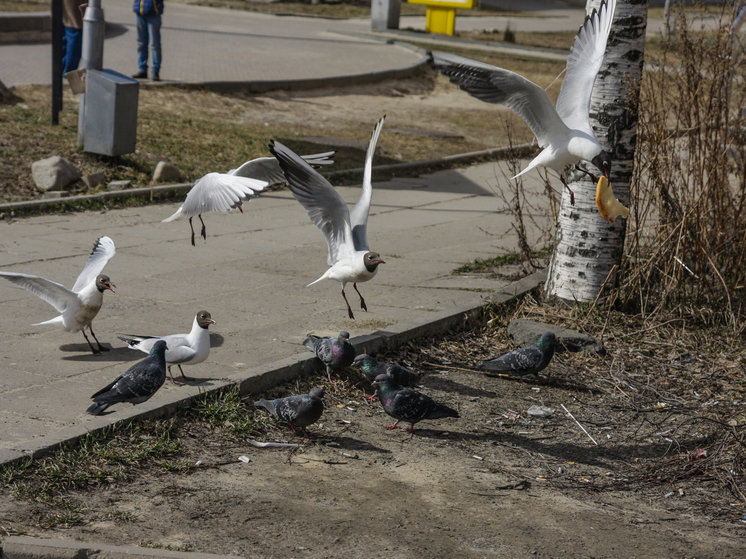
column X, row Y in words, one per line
column 92, row 180
column 119, row 185
column 54, row 194
column 166, row 172
column 54, row 173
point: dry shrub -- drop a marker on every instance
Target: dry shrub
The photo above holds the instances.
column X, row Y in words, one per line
column 686, row 247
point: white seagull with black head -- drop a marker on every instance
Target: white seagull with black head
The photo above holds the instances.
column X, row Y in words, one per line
column 350, row 258
column 564, row 133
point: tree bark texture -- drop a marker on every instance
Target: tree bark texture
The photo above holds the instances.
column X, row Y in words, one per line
column 587, row 248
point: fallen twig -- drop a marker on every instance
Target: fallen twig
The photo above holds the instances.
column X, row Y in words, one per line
column 579, row 425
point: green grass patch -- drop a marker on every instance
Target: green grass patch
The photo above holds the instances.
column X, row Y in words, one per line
column 489, row 264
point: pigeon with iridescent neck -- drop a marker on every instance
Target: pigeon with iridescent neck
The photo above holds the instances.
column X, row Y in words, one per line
column 299, row 411
column 336, row 353
column 405, row 404
column 372, row 368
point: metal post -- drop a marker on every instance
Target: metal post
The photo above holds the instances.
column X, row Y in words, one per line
column 57, row 33
column 93, row 50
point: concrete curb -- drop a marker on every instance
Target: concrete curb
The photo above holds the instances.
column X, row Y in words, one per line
column 17, row 547
column 172, row 190
column 259, row 379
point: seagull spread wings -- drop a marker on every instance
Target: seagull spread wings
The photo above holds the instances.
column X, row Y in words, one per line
column 345, row 231
column 102, row 252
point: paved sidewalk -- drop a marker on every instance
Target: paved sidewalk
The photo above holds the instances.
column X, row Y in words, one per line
column 249, row 274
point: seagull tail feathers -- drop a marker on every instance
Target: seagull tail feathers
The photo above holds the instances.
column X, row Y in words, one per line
column 175, row 216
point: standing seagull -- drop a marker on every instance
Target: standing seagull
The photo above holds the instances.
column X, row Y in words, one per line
column 80, row 305
column 222, row 192
column 405, row 404
column 529, row 360
column 183, row 349
column 335, row 353
column 565, row 133
column 299, row 411
column 346, row 231
column 137, row 384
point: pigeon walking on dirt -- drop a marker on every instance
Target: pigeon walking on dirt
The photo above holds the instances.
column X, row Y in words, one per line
column 137, row 384
column 529, row 360
column 222, row 192
column 79, row 305
column 564, row 133
column 372, row 368
column 405, row 404
column 183, row 349
column 349, row 256
column 299, row 411
column 335, row 353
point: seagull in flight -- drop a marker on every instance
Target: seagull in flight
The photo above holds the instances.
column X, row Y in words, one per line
column 222, row 192
column 79, row 305
column 564, row 133
column 350, row 258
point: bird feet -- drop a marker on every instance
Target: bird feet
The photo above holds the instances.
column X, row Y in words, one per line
column 572, row 194
column 371, row 398
column 392, row 426
column 587, row 172
column 362, row 301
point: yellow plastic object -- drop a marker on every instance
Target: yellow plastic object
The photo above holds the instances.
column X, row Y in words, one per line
column 609, row 207
column 441, row 16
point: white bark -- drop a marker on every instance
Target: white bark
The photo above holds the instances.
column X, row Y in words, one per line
column 586, row 247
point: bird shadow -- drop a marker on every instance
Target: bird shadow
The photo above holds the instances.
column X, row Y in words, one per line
column 448, row 385
column 114, row 354
column 351, row 443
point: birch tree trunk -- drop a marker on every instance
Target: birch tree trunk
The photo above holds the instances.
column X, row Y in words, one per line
column 588, row 249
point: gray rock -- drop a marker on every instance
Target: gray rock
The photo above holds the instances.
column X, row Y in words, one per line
column 526, row 332
column 54, row 194
column 54, row 173
column 166, row 172
column 92, row 180
column 119, row 185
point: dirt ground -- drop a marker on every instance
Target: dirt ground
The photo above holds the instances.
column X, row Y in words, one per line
column 498, row 482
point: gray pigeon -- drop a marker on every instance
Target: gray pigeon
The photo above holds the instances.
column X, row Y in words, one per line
column 137, row 384
column 299, row 411
column 371, row 368
column 335, row 353
column 527, row 360
column 405, row 404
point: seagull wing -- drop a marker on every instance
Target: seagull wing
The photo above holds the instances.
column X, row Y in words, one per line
column 583, row 63
column 324, row 205
column 496, row 85
column 268, row 168
column 217, row 192
column 102, row 252
column 359, row 213
column 57, row 295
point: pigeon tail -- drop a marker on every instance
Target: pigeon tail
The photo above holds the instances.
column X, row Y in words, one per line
column 98, row 408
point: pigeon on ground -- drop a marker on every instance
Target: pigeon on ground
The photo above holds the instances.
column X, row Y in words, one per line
column 372, row 368
column 529, row 360
column 349, row 256
column 79, row 305
column 137, row 384
column 299, row 411
column 222, row 192
column 564, row 133
column 335, row 353
column 183, row 349
column 405, row 404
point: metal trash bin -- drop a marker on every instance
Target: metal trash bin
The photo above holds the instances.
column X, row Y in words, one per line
column 384, row 14
column 110, row 123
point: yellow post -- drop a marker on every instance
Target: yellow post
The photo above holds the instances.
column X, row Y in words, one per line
column 441, row 16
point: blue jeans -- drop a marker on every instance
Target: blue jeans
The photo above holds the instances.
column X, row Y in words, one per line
column 148, row 26
column 72, row 48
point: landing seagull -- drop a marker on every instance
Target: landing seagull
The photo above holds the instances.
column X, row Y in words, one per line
column 222, row 192
column 564, row 133
column 183, row 349
column 80, row 305
column 346, row 231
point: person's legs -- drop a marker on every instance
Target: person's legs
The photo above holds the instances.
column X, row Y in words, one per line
column 142, row 43
column 73, row 48
column 154, row 28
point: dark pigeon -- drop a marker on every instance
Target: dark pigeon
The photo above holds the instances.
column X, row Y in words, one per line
column 372, row 368
column 137, row 384
column 335, row 353
column 405, row 404
column 299, row 411
column 528, row 360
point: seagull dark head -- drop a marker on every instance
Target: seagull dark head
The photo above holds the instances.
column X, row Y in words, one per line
column 603, row 162
column 204, row 319
column 103, row 282
column 372, row 260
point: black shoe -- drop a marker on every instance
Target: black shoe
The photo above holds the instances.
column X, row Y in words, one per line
column 156, row 77
column 141, row 75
